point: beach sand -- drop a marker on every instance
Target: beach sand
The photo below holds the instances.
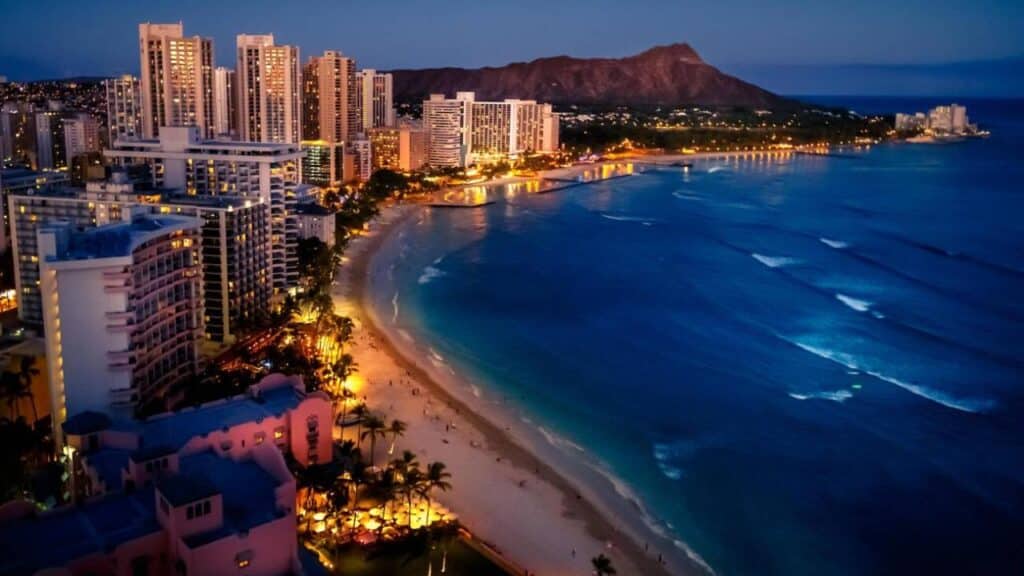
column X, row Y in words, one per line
column 506, row 489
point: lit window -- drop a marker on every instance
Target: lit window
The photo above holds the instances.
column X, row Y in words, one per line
column 279, row 433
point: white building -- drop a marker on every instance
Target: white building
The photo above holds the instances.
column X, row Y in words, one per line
column 363, row 150
column 270, row 90
column 179, row 159
column 375, row 100
column 81, row 135
column 124, row 107
column 122, row 310
column 225, row 102
column 465, row 131
column 315, row 221
column 447, row 124
column 177, row 79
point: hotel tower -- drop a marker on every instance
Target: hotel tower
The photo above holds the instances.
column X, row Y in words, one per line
column 177, row 79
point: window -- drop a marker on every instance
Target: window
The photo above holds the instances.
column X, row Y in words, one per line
column 260, row 437
column 206, row 508
column 278, row 432
column 190, row 513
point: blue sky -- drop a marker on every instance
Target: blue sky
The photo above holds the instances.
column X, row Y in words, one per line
column 788, row 45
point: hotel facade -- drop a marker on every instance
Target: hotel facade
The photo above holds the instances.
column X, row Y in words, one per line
column 179, row 159
column 122, row 311
column 270, row 90
column 124, row 107
column 463, row 131
column 176, row 79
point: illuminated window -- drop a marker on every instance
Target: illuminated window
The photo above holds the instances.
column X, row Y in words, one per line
column 279, row 432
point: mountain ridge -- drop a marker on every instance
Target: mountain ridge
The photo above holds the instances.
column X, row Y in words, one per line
column 673, row 74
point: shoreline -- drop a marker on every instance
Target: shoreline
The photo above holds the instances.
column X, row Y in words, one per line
column 557, row 503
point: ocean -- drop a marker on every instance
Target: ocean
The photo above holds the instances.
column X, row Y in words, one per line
column 801, row 365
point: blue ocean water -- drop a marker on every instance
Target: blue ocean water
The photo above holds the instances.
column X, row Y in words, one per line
column 808, row 365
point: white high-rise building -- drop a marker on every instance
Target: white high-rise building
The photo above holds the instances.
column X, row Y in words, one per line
column 447, row 124
column 124, row 107
column 180, row 159
column 225, row 102
column 122, row 312
column 81, row 135
column 375, row 100
column 363, row 150
column 463, row 131
column 270, row 90
column 333, row 108
column 177, row 79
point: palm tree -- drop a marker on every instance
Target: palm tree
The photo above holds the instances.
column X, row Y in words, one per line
column 375, row 428
column 360, row 411
column 602, row 565
column 396, row 429
column 435, row 478
column 407, row 462
column 12, row 391
column 411, row 484
column 26, row 371
column 346, row 395
column 358, row 478
column 387, row 488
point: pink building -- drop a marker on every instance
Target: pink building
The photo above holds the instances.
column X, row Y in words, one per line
column 118, row 455
column 213, row 515
column 205, row 490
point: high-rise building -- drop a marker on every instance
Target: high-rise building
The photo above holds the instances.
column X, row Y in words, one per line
column 180, row 159
column 177, row 79
column 311, row 99
column 81, row 136
column 124, row 107
column 363, row 151
column 270, row 90
column 463, row 131
column 403, row 148
column 374, row 99
column 323, row 164
column 234, row 243
column 336, row 104
column 225, row 102
column 50, row 152
column 447, row 124
column 122, row 311
column 18, row 122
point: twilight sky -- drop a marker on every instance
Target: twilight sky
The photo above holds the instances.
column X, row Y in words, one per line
column 790, row 46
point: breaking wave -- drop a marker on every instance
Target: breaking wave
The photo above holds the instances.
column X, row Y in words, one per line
column 775, row 261
column 972, row 405
column 833, row 395
column 837, row 244
column 854, row 303
column 429, row 274
column 644, row 221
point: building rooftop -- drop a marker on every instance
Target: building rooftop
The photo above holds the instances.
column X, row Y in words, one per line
column 248, row 493
column 52, row 539
column 117, row 240
column 312, row 208
column 185, row 488
column 177, row 428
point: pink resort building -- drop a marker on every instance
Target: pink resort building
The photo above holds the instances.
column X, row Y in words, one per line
column 205, row 490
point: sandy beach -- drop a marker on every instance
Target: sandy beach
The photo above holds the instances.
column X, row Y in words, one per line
column 509, row 488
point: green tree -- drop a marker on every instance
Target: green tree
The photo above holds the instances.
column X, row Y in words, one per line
column 374, row 427
column 435, row 478
column 602, row 565
column 396, row 429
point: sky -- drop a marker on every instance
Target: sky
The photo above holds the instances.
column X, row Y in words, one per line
column 911, row 47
